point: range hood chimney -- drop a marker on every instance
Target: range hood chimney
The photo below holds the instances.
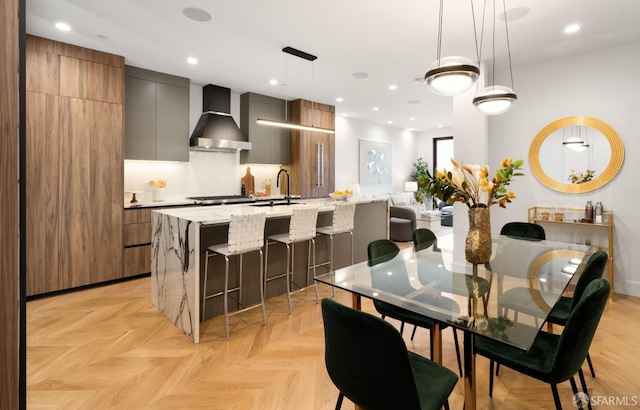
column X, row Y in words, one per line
column 216, row 130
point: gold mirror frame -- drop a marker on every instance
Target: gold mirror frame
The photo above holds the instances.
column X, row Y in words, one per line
column 536, row 266
column 615, row 163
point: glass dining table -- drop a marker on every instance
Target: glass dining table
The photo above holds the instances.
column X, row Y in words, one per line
column 420, row 281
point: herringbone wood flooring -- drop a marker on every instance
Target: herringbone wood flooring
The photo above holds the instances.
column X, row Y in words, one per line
column 109, row 348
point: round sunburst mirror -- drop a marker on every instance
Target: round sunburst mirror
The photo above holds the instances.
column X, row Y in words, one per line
column 576, row 154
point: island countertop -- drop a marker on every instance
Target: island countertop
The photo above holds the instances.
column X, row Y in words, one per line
column 217, row 214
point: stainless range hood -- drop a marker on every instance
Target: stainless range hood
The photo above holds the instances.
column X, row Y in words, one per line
column 216, row 130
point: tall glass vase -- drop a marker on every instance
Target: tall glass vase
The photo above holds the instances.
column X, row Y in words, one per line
column 478, row 245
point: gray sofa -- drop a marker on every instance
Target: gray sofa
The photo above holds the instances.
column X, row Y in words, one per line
column 402, row 223
column 446, row 213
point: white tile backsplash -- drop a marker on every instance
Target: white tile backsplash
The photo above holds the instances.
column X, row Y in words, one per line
column 206, row 173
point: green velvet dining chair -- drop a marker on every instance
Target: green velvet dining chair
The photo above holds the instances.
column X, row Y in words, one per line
column 383, row 250
column 523, row 230
column 553, row 358
column 423, row 238
column 369, row 363
column 563, row 307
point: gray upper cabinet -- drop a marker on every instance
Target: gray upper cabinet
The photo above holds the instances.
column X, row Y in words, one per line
column 156, row 116
column 270, row 145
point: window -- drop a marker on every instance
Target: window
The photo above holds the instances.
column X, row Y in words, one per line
column 442, row 153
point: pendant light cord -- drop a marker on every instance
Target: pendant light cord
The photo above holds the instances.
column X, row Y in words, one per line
column 439, row 34
column 493, row 46
column 479, row 48
column 506, row 27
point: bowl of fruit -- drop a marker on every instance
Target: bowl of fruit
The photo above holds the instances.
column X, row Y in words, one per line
column 341, row 195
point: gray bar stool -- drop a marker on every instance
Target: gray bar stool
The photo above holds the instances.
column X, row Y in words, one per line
column 343, row 216
column 302, row 228
column 246, row 234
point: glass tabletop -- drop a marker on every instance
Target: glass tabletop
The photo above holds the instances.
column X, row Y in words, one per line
column 524, row 276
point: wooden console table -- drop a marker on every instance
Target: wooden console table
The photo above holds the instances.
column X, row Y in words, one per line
column 570, row 229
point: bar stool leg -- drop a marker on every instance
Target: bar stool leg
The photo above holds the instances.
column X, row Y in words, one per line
column 288, row 277
column 312, row 257
column 333, row 288
column 351, row 233
column 226, row 294
column 266, row 263
column 240, row 283
column 264, row 312
column 204, row 286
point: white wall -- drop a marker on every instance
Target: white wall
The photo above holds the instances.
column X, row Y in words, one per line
column 603, row 85
column 350, row 131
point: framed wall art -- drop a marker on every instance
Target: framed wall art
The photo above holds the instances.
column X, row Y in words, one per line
column 375, row 162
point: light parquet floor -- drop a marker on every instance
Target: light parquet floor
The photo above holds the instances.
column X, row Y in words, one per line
column 109, row 348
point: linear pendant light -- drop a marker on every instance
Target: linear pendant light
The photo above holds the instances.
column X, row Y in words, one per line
column 285, row 124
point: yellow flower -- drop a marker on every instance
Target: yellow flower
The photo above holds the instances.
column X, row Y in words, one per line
column 472, row 184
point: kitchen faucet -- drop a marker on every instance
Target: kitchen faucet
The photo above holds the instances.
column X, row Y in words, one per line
column 287, row 195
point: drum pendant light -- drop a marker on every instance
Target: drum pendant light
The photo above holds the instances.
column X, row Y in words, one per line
column 450, row 75
column 496, row 99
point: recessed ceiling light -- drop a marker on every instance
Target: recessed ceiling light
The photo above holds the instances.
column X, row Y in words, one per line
column 273, row 81
column 440, row 126
column 572, row 28
column 393, row 87
column 389, row 122
column 375, row 108
column 339, row 99
column 103, row 37
column 360, row 75
column 192, row 60
column 413, row 102
column 63, row 26
column 196, row 14
column 412, row 118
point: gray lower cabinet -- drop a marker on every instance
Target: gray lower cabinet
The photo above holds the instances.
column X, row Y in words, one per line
column 270, row 145
column 156, row 116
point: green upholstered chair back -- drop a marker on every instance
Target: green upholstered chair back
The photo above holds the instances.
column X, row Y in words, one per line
column 593, row 270
column 523, row 230
column 578, row 332
column 367, row 359
column 423, row 238
column 381, row 250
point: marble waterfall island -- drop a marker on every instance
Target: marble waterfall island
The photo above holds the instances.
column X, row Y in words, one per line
column 180, row 237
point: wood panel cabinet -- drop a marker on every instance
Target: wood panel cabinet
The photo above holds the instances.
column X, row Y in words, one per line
column 270, row 145
column 156, row 116
column 312, row 167
column 74, row 169
column 137, row 241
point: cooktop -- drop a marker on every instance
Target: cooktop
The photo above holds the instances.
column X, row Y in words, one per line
column 221, row 199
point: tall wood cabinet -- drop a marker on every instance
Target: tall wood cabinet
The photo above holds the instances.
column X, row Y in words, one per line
column 74, row 166
column 312, row 169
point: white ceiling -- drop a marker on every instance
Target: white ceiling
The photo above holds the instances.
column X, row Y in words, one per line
column 394, row 42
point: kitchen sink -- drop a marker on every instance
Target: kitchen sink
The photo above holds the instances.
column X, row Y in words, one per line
column 272, row 203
